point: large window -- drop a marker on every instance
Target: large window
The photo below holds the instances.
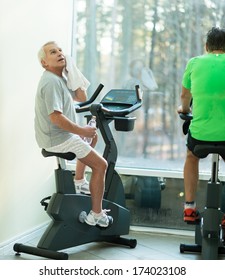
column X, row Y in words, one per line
column 123, row 42
column 120, row 43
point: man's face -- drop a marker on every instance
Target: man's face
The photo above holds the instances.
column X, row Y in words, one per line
column 54, row 58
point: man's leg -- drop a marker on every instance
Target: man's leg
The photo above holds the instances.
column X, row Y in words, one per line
column 80, row 170
column 80, row 166
column 98, row 164
column 81, row 184
column 191, row 174
column 191, row 171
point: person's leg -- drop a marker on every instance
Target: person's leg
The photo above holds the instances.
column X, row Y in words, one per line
column 81, row 184
column 80, row 166
column 89, row 157
column 98, row 166
column 191, row 173
column 80, row 170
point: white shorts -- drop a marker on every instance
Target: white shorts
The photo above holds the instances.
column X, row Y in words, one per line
column 75, row 145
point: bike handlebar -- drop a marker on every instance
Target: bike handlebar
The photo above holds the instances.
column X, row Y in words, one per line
column 86, row 106
column 82, row 106
column 186, row 116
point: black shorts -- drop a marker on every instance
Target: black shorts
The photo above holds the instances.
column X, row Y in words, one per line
column 192, row 142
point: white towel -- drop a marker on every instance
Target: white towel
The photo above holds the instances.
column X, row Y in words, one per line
column 75, row 79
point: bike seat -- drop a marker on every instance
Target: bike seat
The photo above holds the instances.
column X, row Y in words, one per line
column 68, row 156
column 203, row 151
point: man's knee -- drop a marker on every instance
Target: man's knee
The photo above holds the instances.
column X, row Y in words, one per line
column 104, row 164
column 190, row 156
column 100, row 166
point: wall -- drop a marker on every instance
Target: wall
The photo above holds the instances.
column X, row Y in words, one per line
column 25, row 177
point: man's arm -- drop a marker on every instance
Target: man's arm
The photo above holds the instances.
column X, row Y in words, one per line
column 60, row 120
column 80, row 95
column 185, row 98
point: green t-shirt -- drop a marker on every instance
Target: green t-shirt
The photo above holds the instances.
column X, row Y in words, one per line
column 205, row 77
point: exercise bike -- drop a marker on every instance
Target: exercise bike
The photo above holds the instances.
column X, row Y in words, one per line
column 209, row 235
column 66, row 208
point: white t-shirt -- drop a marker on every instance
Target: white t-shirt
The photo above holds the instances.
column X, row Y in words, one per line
column 52, row 95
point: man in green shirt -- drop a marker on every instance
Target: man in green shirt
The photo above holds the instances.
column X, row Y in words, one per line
column 203, row 83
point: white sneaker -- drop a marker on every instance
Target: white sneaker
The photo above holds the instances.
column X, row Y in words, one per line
column 82, row 186
column 99, row 220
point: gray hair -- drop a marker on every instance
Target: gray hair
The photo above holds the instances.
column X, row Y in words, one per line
column 41, row 52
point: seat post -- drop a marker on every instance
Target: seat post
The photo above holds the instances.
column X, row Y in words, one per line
column 215, row 168
column 61, row 163
column 63, row 177
column 214, row 187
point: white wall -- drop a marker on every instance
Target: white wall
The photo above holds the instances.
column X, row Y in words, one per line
column 25, row 176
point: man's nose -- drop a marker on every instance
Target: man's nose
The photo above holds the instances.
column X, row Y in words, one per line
column 59, row 53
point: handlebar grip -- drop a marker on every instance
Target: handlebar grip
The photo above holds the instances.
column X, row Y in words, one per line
column 138, row 93
column 186, row 116
column 97, row 91
column 85, row 106
column 82, row 109
column 187, row 121
column 93, row 97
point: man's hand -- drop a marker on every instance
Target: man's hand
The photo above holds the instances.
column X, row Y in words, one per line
column 180, row 109
column 89, row 131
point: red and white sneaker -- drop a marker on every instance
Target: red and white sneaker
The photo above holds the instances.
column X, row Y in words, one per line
column 191, row 215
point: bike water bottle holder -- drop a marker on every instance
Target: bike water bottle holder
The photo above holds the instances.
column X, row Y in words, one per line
column 124, row 123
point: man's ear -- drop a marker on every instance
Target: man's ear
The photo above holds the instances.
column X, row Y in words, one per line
column 44, row 63
column 206, row 47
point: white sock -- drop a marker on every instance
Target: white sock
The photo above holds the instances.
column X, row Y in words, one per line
column 78, row 182
column 97, row 215
column 191, row 205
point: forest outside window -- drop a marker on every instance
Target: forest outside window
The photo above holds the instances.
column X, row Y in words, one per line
column 120, row 43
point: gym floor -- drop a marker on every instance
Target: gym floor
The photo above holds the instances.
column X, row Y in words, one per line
column 152, row 244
